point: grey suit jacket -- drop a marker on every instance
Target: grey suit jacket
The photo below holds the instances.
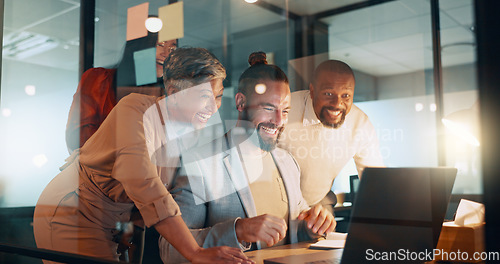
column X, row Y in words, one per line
column 212, row 192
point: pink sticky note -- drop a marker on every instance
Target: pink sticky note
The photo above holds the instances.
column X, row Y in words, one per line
column 136, row 18
column 172, row 17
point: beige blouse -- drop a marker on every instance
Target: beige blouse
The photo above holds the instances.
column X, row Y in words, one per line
column 125, row 159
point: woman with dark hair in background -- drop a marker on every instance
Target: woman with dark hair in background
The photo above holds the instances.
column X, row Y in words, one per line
column 100, row 89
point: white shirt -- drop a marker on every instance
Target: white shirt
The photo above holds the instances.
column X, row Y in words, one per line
column 322, row 152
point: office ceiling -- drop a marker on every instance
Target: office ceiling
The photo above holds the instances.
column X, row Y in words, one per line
column 386, row 39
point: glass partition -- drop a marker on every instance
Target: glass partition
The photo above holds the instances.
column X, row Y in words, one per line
column 461, row 105
column 389, row 46
column 387, row 43
column 39, row 77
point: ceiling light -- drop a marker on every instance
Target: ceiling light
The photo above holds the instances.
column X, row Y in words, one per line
column 153, row 24
column 6, row 112
column 251, row 1
column 432, row 107
column 419, row 107
column 20, row 45
column 260, row 88
column 30, row 89
column 40, row 160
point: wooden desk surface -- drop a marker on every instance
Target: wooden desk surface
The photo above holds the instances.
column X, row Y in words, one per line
column 281, row 251
column 298, row 249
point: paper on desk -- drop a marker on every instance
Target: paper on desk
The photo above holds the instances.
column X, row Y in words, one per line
column 336, row 236
column 333, row 240
column 469, row 213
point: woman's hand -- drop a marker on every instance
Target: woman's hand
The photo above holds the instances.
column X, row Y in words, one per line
column 220, row 255
column 175, row 231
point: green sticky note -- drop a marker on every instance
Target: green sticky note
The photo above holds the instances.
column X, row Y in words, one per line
column 145, row 66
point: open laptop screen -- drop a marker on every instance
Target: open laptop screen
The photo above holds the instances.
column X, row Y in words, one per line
column 398, row 211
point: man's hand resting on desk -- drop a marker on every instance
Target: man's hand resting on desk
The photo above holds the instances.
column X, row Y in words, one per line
column 318, row 219
column 267, row 228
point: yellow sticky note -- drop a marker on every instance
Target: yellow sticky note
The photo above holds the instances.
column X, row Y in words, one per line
column 136, row 19
column 172, row 17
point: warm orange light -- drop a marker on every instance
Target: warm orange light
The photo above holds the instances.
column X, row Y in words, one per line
column 464, row 124
column 260, row 88
column 461, row 130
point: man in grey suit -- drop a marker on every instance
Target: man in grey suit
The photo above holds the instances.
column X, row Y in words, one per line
column 241, row 190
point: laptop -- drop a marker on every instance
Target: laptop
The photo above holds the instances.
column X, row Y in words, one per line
column 397, row 216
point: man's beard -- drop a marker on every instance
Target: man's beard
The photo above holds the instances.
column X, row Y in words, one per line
column 269, row 144
column 264, row 144
column 324, row 121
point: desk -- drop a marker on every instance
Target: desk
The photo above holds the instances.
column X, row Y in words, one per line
column 300, row 248
column 282, row 251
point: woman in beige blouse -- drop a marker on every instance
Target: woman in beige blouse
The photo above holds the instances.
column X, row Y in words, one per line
column 129, row 161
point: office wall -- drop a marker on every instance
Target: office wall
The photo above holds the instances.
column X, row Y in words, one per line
column 455, row 78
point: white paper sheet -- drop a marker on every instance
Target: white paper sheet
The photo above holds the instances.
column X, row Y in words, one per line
column 469, row 213
column 333, row 240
